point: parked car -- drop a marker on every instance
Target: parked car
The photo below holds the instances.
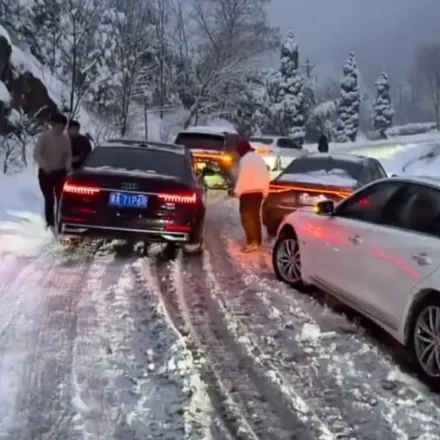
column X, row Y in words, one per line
column 277, row 151
column 378, row 251
column 136, row 191
column 315, row 177
column 216, row 148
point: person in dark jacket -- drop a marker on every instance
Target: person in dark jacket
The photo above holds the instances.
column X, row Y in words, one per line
column 323, row 144
column 81, row 146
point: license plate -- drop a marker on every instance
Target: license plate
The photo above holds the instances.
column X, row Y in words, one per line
column 307, row 199
column 127, row 200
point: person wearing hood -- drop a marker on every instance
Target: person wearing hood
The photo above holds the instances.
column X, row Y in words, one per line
column 323, row 143
column 252, row 187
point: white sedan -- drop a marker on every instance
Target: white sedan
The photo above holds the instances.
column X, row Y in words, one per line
column 277, row 151
column 377, row 251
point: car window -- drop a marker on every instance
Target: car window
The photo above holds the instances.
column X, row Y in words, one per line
column 370, row 205
column 201, row 141
column 232, row 141
column 367, row 174
column 139, row 159
column 379, row 172
column 287, row 143
column 261, row 140
column 420, row 210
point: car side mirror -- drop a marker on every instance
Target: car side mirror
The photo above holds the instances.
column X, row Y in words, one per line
column 325, row 207
column 206, row 172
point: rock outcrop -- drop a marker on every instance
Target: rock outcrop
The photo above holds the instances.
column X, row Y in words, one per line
column 28, row 93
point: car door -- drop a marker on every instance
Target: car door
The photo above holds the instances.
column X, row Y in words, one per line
column 400, row 252
column 340, row 247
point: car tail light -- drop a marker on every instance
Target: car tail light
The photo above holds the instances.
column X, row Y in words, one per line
column 187, row 199
column 227, row 159
column 80, row 189
column 177, row 228
column 263, row 151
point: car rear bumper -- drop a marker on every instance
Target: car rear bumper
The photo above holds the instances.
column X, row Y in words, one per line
column 67, row 230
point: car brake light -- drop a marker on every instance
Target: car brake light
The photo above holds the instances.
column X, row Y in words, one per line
column 177, row 228
column 179, row 198
column 227, row 159
column 263, row 151
column 82, row 190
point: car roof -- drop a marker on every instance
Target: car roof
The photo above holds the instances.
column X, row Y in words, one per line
column 142, row 144
column 200, row 129
column 348, row 157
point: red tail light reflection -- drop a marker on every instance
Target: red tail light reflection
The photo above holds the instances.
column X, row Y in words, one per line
column 276, row 188
column 70, row 188
column 179, row 198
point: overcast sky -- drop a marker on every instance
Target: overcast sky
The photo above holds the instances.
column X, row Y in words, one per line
column 382, row 33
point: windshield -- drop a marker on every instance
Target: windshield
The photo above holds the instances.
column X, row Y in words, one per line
column 321, row 166
column 138, row 159
column 265, row 141
column 201, row 141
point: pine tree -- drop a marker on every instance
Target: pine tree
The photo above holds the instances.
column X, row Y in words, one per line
column 252, row 108
column 347, row 124
column 382, row 107
column 291, row 103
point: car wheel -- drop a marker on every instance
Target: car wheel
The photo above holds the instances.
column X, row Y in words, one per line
column 286, row 260
column 424, row 340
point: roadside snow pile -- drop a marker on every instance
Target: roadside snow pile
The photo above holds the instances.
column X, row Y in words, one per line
column 413, row 128
column 408, row 157
column 22, row 229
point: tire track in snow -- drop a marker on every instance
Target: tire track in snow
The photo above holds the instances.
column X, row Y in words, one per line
column 359, row 368
column 191, row 412
column 241, row 390
column 46, row 402
column 365, row 366
column 20, row 338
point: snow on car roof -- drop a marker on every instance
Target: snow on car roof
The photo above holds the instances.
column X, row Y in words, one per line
column 337, row 156
column 210, row 130
column 334, row 178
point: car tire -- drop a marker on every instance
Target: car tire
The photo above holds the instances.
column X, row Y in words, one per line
column 285, row 258
column 417, row 346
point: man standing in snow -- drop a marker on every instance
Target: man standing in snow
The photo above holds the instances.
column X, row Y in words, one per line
column 323, row 144
column 53, row 156
column 81, row 146
column 252, row 187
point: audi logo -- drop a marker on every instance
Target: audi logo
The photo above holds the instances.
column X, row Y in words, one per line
column 129, row 186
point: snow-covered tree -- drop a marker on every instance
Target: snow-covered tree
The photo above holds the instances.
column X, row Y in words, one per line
column 383, row 109
column 349, row 101
column 252, row 114
column 291, row 100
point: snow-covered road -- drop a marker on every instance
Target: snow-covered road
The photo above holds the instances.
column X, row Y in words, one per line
column 101, row 343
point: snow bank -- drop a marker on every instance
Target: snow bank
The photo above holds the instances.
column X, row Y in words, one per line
column 412, row 128
column 22, row 227
column 409, row 157
column 4, row 94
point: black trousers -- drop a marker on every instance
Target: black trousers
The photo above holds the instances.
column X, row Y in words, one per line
column 250, row 213
column 51, row 185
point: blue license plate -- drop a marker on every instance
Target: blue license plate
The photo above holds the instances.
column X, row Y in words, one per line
column 127, row 200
